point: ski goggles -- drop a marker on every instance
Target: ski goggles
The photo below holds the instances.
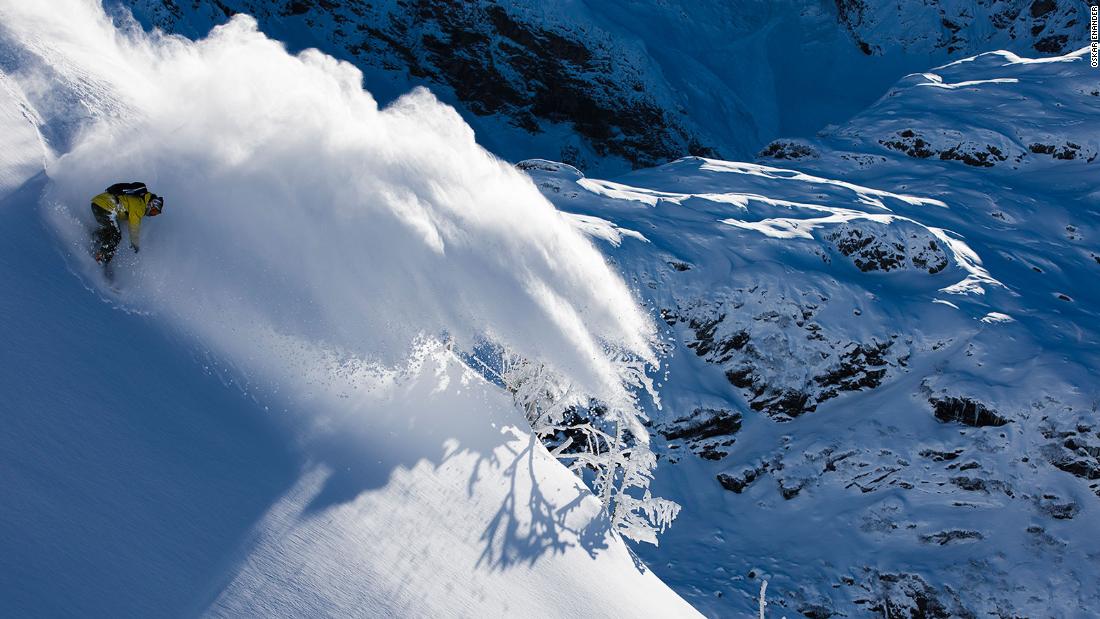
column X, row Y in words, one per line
column 156, row 205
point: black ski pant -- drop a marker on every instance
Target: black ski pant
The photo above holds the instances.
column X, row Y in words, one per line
column 107, row 236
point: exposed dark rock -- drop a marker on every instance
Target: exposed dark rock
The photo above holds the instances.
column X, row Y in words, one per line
column 1004, row 19
column 831, row 459
column 946, row 537
column 1057, row 508
column 966, row 411
column 909, row 143
column 1054, row 44
column 742, row 378
column 790, row 488
column 781, row 149
column 861, row 367
column 871, row 253
column 980, row 157
column 909, row 595
column 1078, row 467
column 1074, row 451
column 704, row 342
column 707, row 432
column 737, row 482
column 940, row 456
column 1081, row 446
column 856, row 366
column 1067, row 151
column 783, row 402
column 978, row 484
column 914, row 145
column 1039, row 8
column 703, row 423
column 971, row 484
column 711, row 451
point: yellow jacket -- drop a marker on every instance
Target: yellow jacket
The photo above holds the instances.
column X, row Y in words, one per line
column 131, row 208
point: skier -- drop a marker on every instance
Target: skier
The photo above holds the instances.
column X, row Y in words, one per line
column 129, row 201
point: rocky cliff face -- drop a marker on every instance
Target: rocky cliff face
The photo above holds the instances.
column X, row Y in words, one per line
column 614, row 85
column 560, row 77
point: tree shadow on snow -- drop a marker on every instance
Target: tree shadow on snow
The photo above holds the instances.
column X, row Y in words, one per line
column 445, row 423
column 528, row 525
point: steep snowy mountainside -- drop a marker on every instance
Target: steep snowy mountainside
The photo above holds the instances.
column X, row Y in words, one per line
column 1045, row 26
column 882, row 391
column 264, row 413
column 121, row 497
column 1037, row 114
column 178, row 494
column 619, row 84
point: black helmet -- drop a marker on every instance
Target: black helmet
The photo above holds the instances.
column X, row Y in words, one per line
column 156, row 205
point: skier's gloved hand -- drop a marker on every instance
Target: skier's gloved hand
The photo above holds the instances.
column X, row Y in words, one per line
column 135, row 248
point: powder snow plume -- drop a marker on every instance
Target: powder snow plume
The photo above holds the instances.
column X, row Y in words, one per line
column 299, row 215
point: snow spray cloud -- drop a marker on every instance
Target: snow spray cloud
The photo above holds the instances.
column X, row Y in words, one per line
column 297, row 210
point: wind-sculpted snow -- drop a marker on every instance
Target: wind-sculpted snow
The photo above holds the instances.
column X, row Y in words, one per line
column 295, row 206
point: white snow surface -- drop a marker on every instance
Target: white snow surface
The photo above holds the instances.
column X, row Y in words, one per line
column 24, row 154
column 267, row 418
column 828, row 302
column 321, row 257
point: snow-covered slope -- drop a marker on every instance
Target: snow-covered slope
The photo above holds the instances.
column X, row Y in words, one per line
column 138, row 484
column 882, row 391
column 268, row 417
column 879, row 376
column 609, row 85
column 1046, row 26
